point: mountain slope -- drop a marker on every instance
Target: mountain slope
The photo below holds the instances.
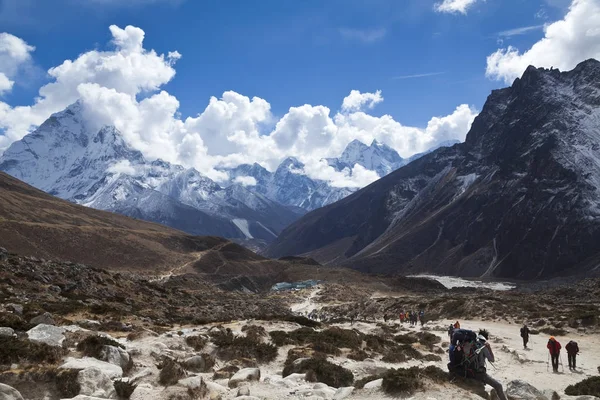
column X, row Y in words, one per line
column 35, row 223
column 68, row 158
column 518, row 199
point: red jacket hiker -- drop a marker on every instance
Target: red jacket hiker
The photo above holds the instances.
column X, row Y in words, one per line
column 554, row 346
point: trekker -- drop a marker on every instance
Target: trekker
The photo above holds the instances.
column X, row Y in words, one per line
column 572, row 351
column 481, row 355
column 450, row 331
column 554, row 348
column 525, row 335
column 402, row 317
column 422, row 317
column 457, row 325
column 385, row 318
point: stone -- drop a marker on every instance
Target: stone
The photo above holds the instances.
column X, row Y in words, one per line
column 376, row 384
column 9, row 393
column 551, row 394
column 201, row 363
column 85, row 397
column 45, row 318
column 320, row 385
column 343, row 392
column 110, row 370
column 115, row 355
column 49, row 334
column 215, row 387
column 520, row 390
column 16, row 308
column 94, row 382
column 7, row 332
column 247, row 398
column 244, row 375
column 89, row 324
column 243, row 391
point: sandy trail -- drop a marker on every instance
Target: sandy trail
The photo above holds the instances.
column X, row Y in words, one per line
column 308, row 304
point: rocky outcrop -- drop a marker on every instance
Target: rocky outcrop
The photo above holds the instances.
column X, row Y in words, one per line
column 49, row 334
column 110, row 370
column 9, row 393
column 94, row 382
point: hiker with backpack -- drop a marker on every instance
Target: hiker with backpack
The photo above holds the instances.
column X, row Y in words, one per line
column 525, row 335
column 450, row 331
column 457, row 325
column 554, row 349
column 572, row 351
column 468, row 354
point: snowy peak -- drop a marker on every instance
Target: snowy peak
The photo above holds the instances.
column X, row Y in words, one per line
column 377, row 157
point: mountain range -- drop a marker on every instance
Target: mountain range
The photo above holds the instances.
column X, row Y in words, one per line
column 69, row 159
column 518, row 199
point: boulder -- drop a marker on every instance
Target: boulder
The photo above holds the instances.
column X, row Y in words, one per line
column 376, row 384
column 243, row 391
column 45, row 318
column 201, row 363
column 49, row 334
column 115, row 355
column 551, row 394
column 343, row 392
column 89, row 324
column 7, row 332
column 216, row 388
column 9, row 393
column 520, row 390
column 16, row 308
column 110, row 370
column 94, row 382
column 244, row 375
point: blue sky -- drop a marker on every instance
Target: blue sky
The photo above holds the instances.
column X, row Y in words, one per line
column 295, row 52
column 211, row 84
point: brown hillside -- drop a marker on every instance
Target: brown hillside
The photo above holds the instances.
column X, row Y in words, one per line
column 35, row 223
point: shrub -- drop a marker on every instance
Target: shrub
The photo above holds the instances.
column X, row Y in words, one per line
column 171, row 372
column 428, row 339
column 14, row 350
column 359, row 384
column 587, row 387
column 324, row 371
column 407, row 381
column 196, row 342
column 406, row 339
column 281, row 338
column 231, row 347
column 14, row 321
column 358, row 355
column 254, row 331
column 92, row 346
column 124, row 389
column 67, row 383
column 402, row 353
column 554, row 331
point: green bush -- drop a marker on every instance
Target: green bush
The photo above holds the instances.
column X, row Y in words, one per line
column 323, row 370
column 587, row 387
column 92, row 346
column 231, row 347
column 14, row 350
column 402, row 353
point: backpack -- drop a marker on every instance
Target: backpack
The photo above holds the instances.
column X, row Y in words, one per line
column 459, row 360
column 572, row 347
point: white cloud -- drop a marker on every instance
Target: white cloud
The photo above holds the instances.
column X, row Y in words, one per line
column 567, row 42
column 122, row 167
column 122, row 87
column 245, row 180
column 424, row 75
column 5, row 83
column 363, row 35
column 356, row 100
column 519, row 31
column 14, row 52
column 454, row 6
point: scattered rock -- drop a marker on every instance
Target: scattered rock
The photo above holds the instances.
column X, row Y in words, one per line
column 45, row 318
column 9, row 393
column 7, row 332
column 49, row 334
column 520, row 390
column 201, row 363
column 343, row 392
column 16, row 308
column 89, row 324
column 226, row 372
column 110, row 370
column 376, row 384
column 94, row 382
column 244, row 375
column 243, row 391
column 116, row 355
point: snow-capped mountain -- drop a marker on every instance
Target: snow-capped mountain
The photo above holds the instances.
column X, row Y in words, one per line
column 519, row 199
column 377, row 157
column 68, row 159
column 289, row 185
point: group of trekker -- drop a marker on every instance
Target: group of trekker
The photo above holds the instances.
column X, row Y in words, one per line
column 412, row 317
column 469, row 351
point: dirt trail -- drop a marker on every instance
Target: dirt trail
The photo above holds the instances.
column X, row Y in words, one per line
column 177, row 270
column 307, row 305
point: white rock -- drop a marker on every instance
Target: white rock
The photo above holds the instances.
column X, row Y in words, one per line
column 244, row 375
column 94, row 382
column 111, row 370
column 7, row 332
column 247, row 398
column 85, row 397
column 343, row 392
column 376, row 384
column 144, row 391
column 320, row 385
column 215, row 387
column 520, row 390
column 49, row 334
column 115, row 355
column 295, row 378
column 9, row 393
column 243, row 391
column 323, row 393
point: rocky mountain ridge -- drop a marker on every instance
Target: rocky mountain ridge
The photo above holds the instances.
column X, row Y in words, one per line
column 518, row 199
